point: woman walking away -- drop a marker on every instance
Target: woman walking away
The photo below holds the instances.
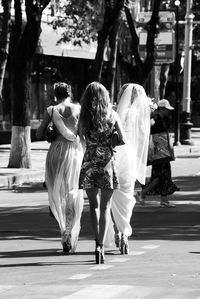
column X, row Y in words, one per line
column 161, row 181
column 131, row 158
column 63, row 164
column 98, row 174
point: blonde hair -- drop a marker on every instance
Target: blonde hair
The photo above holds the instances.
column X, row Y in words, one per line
column 95, row 108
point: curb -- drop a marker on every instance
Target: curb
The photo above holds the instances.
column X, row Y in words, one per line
column 9, row 181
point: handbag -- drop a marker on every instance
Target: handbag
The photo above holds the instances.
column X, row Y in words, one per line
column 160, row 148
column 50, row 133
column 116, row 137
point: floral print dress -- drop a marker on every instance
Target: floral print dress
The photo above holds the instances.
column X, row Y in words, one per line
column 98, row 168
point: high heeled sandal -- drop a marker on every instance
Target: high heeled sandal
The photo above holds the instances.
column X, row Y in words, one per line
column 117, row 239
column 124, row 248
column 102, row 255
column 99, row 253
column 67, row 244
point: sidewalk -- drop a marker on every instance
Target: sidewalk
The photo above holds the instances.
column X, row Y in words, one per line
column 11, row 176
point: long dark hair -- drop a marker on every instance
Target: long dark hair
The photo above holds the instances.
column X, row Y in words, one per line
column 95, row 108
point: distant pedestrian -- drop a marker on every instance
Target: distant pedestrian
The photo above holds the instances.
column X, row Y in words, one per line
column 98, row 172
column 63, row 164
column 160, row 182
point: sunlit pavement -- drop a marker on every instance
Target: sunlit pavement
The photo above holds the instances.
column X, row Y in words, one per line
column 163, row 260
column 164, row 248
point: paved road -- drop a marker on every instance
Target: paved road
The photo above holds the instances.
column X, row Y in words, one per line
column 163, row 262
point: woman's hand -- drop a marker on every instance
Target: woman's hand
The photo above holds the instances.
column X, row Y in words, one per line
column 41, row 129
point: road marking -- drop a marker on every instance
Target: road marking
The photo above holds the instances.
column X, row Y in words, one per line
column 136, row 252
column 119, row 260
column 79, row 276
column 150, row 246
column 99, row 292
column 101, row 267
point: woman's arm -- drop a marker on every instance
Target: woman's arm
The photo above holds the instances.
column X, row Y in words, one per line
column 82, row 136
column 152, row 122
column 119, row 127
column 40, row 131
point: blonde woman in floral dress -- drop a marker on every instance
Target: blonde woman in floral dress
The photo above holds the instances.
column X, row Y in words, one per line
column 98, row 174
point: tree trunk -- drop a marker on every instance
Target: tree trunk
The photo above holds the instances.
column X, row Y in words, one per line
column 163, row 79
column 112, row 13
column 4, row 45
column 113, row 41
column 142, row 69
column 20, row 154
column 98, row 62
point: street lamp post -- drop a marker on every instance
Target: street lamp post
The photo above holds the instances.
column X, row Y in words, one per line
column 185, row 128
column 177, row 103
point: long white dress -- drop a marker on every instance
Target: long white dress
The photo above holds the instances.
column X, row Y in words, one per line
column 131, row 158
column 63, row 165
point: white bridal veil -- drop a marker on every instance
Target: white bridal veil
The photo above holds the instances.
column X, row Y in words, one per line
column 131, row 158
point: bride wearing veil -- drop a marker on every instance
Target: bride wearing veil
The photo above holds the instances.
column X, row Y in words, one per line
column 131, row 158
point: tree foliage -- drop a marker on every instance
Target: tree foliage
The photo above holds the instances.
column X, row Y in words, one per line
column 81, row 20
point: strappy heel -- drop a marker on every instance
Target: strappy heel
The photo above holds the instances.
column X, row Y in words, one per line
column 102, row 255
column 66, row 243
column 124, row 248
column 99, row 253
column 117, row 240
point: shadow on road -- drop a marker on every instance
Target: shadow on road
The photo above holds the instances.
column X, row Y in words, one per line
column 148, row 222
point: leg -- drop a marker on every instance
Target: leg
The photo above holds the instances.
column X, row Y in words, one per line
column 106, row 195
column 164, row 203
column 94, row 210
column 117, row 232
column 153, row 184
column 141, row 195
column 114, row 224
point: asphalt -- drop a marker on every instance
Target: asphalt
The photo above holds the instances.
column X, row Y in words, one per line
column 10, row 177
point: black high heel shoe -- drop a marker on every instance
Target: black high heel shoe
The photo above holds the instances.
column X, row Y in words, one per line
column 117, row 240
column 102, row 255
column 99, row 253
column 67, row 245
column 124, row 248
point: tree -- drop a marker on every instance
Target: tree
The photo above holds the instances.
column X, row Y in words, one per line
column 88, row 21
column 112, row 14
column 4, row 42
column 103, row 19
column 140, row 70
column 26, row 40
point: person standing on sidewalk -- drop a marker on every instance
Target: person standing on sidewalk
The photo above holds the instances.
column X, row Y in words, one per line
column 160, row 182
column 63, row 163
column 98, row 173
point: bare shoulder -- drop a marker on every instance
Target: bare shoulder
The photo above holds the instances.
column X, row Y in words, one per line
column 115, row 115
column 75, row 108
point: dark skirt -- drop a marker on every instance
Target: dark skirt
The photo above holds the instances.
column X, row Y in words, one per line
column 165, row 185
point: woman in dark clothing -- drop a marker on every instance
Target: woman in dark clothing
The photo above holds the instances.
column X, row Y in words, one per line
column 160, row 182
column 98, row 171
